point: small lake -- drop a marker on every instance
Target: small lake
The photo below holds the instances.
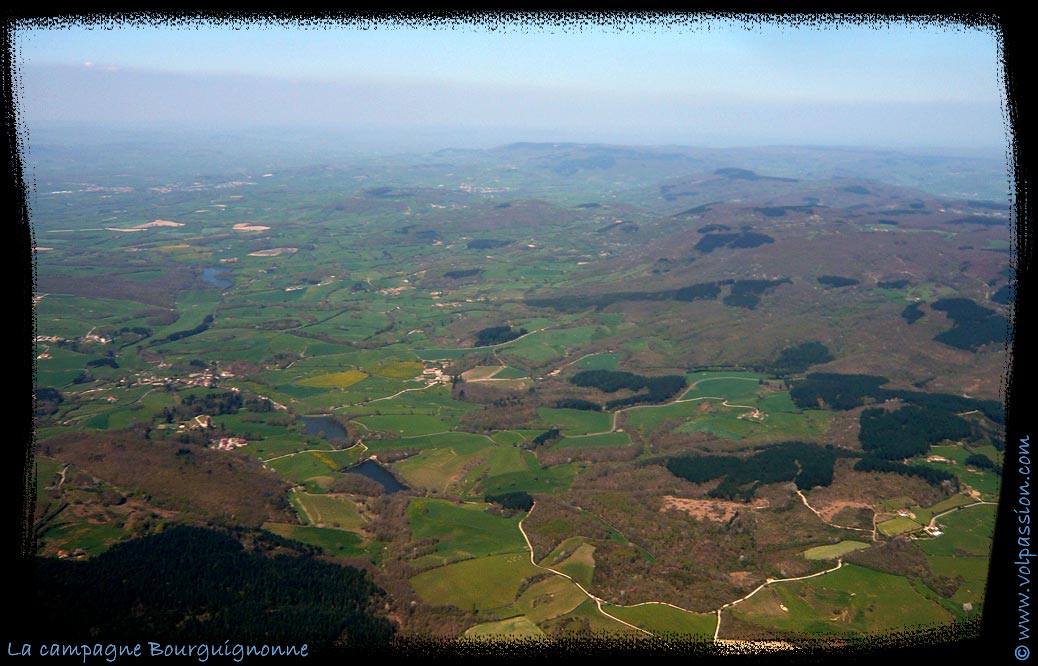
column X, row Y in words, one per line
column 324, row 426
column 376, row 472
column 212, row 277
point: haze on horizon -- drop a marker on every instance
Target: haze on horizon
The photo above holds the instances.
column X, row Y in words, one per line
column 681, row 80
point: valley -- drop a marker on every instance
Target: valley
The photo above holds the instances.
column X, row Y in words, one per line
column 538, row 390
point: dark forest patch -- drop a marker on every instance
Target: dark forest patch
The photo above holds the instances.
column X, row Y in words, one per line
column 903, row 211
column 989, row 205
column 487, row 243
column 657, row 389
column 193, row 585
column 837, row 281
column 744, row 239
column 422, row 234
column 578, row 403
column 160, row 292
column 793, row 360
column 847, row 391
column 388, row 192
column 909, row 431
column 779, row 211
column 747, row 293
column 974, row 327
column 496, row 335
column 463, row 273
column 698, row 210
column 579, row 302
column 734, row 173
column 808, row 465
column 1004, row 295
column 912, row 313
column 986, row 220
column 623, row 226
column 933, row 476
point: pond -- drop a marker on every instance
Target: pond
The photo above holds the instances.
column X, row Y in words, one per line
column 212, row 275
column 376, row 472
column 324, row 426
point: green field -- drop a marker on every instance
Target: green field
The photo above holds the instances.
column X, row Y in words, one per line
column 513, row 628
column 438, row 469
column 575, row 421
column 575, row 558
column 987, row 482
column 494, row 461
column 511, row 437
column 899, row 525
column 47, row 471
column 332, row 541
column 973, row 572
column 540, row 347
column 463, row 531
column 482, row 372
column 306, row 468
column 280, row 445
column 549, row 598
column 967, row 531
column 398, row 370
column 335, row 380
column 605, row 439
column 404, row 425
column 662, row 619
column 460, row 440
column 93, row 538
column 482, row 584
column 551, row 480
column 702, row 409
column 834, row 551
column 735, row 387
column 609, row 361
column 331, row 511
column 588, row 612
column 852, row 600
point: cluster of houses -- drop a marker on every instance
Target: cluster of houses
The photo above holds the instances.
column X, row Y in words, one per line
column 206, row 379
column 469, row 187
column 227, row 443
column 436, row 375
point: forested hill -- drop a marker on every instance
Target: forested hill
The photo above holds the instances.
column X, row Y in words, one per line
column 194, row 585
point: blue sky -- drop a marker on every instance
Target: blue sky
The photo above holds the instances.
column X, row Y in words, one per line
column 696, row 82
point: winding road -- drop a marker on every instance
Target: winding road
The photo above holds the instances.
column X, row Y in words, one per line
column 598, row 602
column 766, row 583
column 719, row 611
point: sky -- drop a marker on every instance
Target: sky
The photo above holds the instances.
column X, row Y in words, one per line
column 687, row 80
